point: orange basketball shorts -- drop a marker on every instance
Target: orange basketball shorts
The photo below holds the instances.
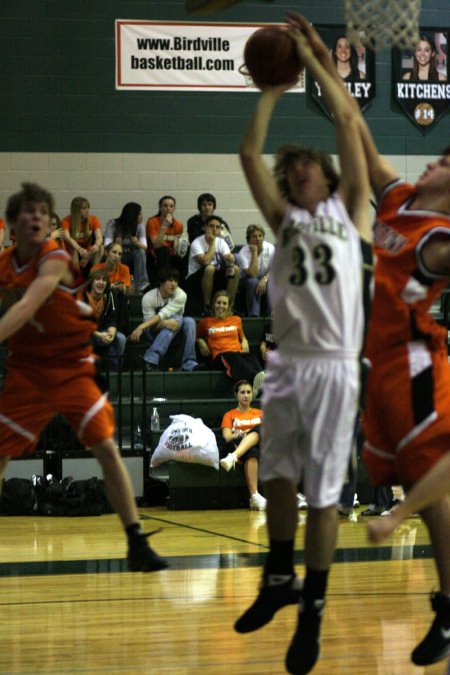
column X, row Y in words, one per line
column 407, row 417
column 33, row 394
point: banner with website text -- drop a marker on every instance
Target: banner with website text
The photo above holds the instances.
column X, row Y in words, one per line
column 157, row 55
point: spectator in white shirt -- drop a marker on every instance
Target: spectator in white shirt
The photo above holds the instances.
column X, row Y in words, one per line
column 163, row 310
column 211, row 265
column 255, row 259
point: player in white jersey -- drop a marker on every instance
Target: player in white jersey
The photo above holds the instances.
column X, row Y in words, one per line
column 311, row 389
column 313, row 275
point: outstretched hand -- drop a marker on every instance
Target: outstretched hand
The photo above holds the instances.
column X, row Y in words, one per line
column 316, row 44
column 304, row 47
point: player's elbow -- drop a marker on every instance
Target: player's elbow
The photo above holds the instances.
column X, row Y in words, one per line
column 346, row 117
column 248, row 154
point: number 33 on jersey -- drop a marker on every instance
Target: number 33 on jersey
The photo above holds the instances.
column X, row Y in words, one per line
column 316, row 280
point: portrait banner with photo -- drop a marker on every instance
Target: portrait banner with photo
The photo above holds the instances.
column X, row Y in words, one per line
column 420, row 76
column 355, row 65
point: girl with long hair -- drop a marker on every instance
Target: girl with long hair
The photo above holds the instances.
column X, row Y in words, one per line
column 241, row 432
column 345, row 58
column 164, row 233
column 424, row 63
column 83, row 234
column 128, row 230
column 221, row 339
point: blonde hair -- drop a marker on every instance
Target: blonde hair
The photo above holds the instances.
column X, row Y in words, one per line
column 75, row 212
column 254, row 228
column 226, row 295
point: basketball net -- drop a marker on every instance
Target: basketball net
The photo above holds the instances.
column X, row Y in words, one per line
column 383, row 23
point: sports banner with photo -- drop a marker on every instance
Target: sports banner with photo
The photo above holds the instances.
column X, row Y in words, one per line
column 355, row 65
column 156, row 55
column 420, row 77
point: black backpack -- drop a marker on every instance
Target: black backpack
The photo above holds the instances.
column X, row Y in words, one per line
column 71, row 497
column 18, row 498
column 45, row 496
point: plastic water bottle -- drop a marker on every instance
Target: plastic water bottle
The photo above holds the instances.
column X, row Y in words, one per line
column 138, row 441
column 226, row 237
column 183, row 247
column 154, row 420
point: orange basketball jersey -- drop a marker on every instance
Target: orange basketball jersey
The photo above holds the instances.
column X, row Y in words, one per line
column 61, row 328
column 406, row 422
column 404, row 288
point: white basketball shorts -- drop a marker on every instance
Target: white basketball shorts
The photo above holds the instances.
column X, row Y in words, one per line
column 310, row 407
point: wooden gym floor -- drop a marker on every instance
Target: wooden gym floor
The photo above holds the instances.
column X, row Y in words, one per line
column 68, row 605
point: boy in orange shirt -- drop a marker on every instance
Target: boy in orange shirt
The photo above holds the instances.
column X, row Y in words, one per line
column 51, row 367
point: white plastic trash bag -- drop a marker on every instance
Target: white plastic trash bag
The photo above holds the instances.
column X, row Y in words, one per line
column 187, row 439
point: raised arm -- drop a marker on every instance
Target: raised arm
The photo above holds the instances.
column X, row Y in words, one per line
column 354, row 184
column 259, row 177
column 381, row 172
column 50, row 274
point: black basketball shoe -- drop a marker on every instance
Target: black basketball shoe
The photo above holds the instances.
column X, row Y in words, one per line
column 141, row 556
column 436, row 643
column 304, row 649
column 276, row 591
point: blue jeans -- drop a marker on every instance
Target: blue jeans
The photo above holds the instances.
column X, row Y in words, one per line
column 116, row 350
column 113, row 351
column 161, row 343
column 252, row 300
column 136, row 260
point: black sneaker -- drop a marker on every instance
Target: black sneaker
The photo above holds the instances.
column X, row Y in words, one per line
column 275, row 592
column 304, row 649
column 151, row 367
column 372, row 511
column 436, row 643
column 142, row 558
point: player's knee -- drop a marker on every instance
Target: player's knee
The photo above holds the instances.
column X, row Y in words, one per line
column 106, row 452
column 279, row 487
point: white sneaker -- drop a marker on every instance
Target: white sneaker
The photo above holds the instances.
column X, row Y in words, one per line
column 257, row 502
column 228, row 462
column 258, row 382
column 355, row 501
column 301, row 502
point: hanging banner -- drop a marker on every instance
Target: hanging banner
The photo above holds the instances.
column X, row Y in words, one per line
column 420, row 78
column 355, row 65
column 158, row 55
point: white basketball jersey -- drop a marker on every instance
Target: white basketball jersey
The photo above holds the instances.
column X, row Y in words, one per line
column 315, row 283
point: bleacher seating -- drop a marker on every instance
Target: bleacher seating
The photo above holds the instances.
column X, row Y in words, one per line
column 204, row 394
column 253, row 329
column 133, row 393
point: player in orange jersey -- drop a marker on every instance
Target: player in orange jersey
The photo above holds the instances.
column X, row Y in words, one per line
column 407, row 421
column 51, row 368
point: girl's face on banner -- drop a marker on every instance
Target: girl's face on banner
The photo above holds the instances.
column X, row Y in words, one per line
column 343, row 49
column 423, row 53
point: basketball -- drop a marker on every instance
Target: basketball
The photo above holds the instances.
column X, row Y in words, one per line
column 271, row 56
